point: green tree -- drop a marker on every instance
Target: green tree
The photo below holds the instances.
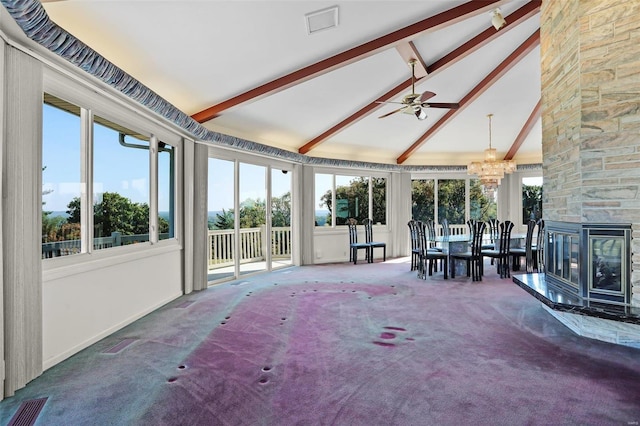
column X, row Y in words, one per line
column 223, row 220
column 483, row 207
column 253, row 213
column 422, row 199
column 115, row 213
column 281, row 210
column 451, row 200
column 353, row 201
column 531, row 202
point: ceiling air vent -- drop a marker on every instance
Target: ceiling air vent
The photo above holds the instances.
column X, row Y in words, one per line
column 322, row 19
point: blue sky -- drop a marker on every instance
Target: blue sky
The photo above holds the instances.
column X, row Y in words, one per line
column 116, row 168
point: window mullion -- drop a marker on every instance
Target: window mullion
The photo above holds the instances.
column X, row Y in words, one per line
column 86, row 177
column 153, row 190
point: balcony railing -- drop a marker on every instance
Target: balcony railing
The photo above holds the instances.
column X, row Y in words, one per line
column 252, row 245
column 68, row 247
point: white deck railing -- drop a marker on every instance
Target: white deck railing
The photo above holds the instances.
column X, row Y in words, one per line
column 252, row 245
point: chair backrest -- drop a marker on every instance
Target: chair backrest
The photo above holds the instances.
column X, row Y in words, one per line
column 353, row 230
column 540, row 242
column 445, row 228
column 413, row 234
column 470, row 224
column 431, row 232
column 423, row 243
column 476, row 242
column 368, row 230
column 494, row 229
column 528, row 245
column 505, row 237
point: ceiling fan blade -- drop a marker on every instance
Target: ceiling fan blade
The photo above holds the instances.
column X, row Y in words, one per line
column 425, row 96
column 450, row 105
column 392, row 112
column 389, row 102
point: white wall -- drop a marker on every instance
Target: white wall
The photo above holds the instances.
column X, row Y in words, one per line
column 84, row 303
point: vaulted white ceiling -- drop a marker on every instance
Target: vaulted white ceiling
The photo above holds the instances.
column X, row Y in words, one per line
column 266, row 80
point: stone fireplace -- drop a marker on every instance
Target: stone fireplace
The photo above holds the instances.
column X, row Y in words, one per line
column 592, row 261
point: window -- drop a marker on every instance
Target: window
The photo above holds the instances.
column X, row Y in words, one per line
column 119, row 176
column 166, row 190
column 482, row 205
column 61, row 177
column 531, row 198
column 120, row 186
column 358, row 197
column 323, row 191
column 422, row 199
column 451, row 201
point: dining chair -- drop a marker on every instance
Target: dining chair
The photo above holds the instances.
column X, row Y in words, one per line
column 368, row 234
column 501, row 252
column 354, row 245
column 446, row 232
column 517, row 253
column 473, row 257
column 415, row 243
column 430, row 256
column 494, row 230
column 431, row 234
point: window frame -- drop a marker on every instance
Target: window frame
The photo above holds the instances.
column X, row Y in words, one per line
column 110, row 107
column 437, row 176
column 354, row 173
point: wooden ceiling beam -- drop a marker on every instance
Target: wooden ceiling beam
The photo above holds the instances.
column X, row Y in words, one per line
column 439, row 21
column 467, row 48
column 524, row 132
column 522, row 51
column 408, row 52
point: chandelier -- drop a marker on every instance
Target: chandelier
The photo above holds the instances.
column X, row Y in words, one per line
column 491, row 170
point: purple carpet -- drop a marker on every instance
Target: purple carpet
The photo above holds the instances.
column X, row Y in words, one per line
column 366, row 344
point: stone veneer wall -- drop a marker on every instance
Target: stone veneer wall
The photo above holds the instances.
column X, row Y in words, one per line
column 590, row 53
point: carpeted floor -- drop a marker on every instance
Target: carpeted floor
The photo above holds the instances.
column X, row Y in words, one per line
column 343, row 344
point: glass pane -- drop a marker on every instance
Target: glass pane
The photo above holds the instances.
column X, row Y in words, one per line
column 352, row 199
column 166, row 191
column 323, row 194
column 575, row 266
column 280, row 218
column 483, row 205
column 379, row 189
column 220, row 202
column 558, row 254
column 253, row 217
column 61, row 180
column 120, row 185
column 531, row 198
column 451, row 201
column 422, row 199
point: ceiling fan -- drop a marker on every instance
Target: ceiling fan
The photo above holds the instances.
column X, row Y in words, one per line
column 414, row 103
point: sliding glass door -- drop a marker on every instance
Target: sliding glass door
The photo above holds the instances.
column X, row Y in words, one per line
column 221, row 222
column 280, row 218
column 249, row 226
column 253, row 218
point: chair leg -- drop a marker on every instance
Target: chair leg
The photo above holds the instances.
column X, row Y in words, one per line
column 446, row 266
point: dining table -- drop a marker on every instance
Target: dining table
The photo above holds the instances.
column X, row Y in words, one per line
column 460, row 244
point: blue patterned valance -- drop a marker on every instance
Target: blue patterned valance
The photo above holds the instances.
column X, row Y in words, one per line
column 34, row 21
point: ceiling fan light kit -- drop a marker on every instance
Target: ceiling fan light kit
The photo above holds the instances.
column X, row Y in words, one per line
column 415, row 103
column 491, row 170
column 497, row 20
